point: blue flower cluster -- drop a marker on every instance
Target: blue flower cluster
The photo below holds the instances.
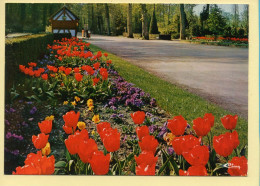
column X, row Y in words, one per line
column 129, row 95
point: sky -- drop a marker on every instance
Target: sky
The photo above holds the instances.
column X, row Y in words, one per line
column 225, row 7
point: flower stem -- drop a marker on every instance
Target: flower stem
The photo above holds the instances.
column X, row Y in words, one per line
column 118, row 163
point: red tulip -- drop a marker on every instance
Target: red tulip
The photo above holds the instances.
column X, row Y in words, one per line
column 78, row 77
column 36, row 164
column 103, row 72
column 37, row 73
column 189, row 142
column 102, row 125
column 71, row 118
column 99, row 54
column 229, row 121
column 177, row 145
column 237, row 166
column 111, row 139
column 33, row 158
column 22, row 68
column 62, row 68
column 86, row 149
column 234, row 139
column 89, row 70
column 83, row 134
column 31, row 64
column 142, row 131
column 149, row 143
column 26, row 170
column 45, row 126
column 210, row 118
column 40, row 141
column 146, row 158
column 138, row 117
column 105, row 54
column 183, row 173
column 44, row 76
column 145, row 170
column 96, row 65
column 72, row 144
column 223, row 144
column 194, row 171
column 95, row 81
column 177, row 125
column 67, row 71
column 199, row 155
column 76, row 70
column 201, row 126
column 68, row 130
column 100, row 163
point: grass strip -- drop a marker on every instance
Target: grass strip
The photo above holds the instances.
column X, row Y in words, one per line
column 174, row 99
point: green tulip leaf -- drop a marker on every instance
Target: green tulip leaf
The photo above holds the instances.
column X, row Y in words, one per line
column 60, row 164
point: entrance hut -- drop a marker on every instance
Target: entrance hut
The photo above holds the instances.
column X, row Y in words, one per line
column 64, row 21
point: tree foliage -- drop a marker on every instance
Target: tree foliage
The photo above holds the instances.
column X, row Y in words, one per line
column 216, row 22
column 112, row 18
column 153, row 24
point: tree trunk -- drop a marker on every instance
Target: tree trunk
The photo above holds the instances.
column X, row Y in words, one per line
column 107, row 19
column 182, row 22
column 145, row 33
column 129, row 21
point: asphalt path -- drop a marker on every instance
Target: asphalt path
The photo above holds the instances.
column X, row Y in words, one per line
column 218, row 74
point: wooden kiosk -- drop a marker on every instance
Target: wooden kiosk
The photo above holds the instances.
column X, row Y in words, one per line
column 64, row 21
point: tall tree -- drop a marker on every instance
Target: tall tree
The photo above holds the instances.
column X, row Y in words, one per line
column 129, row 21
column 107, row 19
column 145, row 33
column 245, row 19
column 182, row 22
column 204, row 15
column 235, row 20
column 169, row 13
column 153, row 24
column 216, row 21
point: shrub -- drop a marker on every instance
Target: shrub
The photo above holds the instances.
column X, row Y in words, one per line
column 241, row 33
column 165, row 37
column 59, row 36
column 196, row 30
column 20, row 51
column 227, row 32
column 175, row 35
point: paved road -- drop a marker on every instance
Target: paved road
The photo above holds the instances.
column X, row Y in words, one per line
column 219, row 74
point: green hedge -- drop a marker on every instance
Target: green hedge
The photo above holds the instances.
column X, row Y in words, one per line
column 59, row 36
column 20, row 51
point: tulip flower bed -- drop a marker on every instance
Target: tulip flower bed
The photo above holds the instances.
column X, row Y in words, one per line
column 74, row 115
column 223, row 41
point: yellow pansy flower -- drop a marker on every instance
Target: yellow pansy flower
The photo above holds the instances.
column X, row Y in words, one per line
column 95, row 119
column 168, row 137
column 81, row 125
column 90, row 108
column 65, row 103
column 73, row 103
column 90, row 102
column 46, row 150
column 77, row 98
column 51, row 117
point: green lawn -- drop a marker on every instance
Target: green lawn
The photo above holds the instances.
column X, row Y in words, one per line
column 172, row 98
